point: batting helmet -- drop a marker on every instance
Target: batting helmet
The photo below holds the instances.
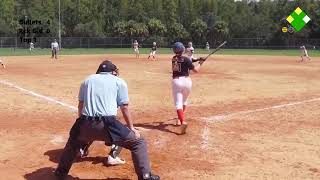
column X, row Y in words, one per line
column 178, row 48
column 108, row 66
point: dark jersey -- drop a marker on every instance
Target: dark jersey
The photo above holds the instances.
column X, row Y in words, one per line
column 181, row 65
column 154, row 48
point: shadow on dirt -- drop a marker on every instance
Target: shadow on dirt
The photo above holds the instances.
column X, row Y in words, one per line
column 161, row 126
column 54, row 156
column 47, row 174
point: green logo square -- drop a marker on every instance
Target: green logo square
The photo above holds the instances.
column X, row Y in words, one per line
column 298, row 19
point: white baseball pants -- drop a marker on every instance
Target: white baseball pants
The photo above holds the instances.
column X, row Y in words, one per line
column 181, row 88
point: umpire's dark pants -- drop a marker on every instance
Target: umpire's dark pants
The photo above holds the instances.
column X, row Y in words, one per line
column 107, row 129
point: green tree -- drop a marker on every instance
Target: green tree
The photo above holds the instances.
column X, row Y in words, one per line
column 219, row 32
column 177, row 32
column 120, row 29
column 8, row 18
column 134, row 29
column 156, row 27
column 198, row 31
column 169, row 12
column 90, row 29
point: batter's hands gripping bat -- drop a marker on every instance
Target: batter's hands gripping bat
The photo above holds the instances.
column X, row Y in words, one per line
column 202, row 60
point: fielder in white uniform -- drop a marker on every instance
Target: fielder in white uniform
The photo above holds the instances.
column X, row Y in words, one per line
column 54, row 49
column 181, row 82
column 136, row 48
column 304, row 53
column 207, row 46
column 190, row 51
column 31, row 46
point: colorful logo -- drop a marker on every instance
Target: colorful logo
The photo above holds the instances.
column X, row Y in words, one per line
column 298, row 19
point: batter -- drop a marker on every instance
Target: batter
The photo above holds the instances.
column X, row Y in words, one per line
column 181, row 82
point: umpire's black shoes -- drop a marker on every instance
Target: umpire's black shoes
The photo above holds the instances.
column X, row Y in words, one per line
column 149, row 176
column 59, row 175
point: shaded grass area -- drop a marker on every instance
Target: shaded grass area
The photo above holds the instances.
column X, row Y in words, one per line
column 79, row 51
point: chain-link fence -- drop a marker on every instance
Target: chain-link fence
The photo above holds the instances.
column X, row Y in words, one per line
column 120, row 42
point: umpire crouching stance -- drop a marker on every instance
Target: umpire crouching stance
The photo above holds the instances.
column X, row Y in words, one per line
column 99, row 97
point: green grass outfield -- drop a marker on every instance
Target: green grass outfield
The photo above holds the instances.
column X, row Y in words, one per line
column 77, row 51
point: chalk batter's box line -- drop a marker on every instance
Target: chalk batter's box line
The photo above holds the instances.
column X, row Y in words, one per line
column 225, row 117
column 48, row 99
column 32, row 93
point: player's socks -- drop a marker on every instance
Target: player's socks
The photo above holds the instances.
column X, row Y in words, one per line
column 180, row 115
column 184, row 108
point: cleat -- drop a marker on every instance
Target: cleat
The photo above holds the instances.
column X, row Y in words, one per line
column 83, row 153
column 178, row 123
column 115, row 161
column 150, row 176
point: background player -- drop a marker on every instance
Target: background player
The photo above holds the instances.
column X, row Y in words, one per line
column 136, row 48
column 54, row 49
column 190, row 51
column 304, row 53
column 153, row 51
column 207, row 46
column 2, row 64
column 31, row 46
column 181, row 82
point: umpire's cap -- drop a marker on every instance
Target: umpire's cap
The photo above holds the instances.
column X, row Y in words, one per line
column 178, row 48
column 107, row 66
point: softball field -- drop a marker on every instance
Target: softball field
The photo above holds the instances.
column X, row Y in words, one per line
column 250, row 117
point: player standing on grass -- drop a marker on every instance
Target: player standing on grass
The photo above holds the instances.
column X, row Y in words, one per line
column 304, row 53
column 153, row 51
column 136, row 48
column 31, row 47
column 54, row 49
column 2, row 64
column 207, row 46
column 181, row 82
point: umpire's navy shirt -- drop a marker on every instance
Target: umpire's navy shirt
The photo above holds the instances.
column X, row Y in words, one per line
column 102, row 94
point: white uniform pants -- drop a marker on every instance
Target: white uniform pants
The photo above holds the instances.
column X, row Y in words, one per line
column 152, row 53
column 181, row 88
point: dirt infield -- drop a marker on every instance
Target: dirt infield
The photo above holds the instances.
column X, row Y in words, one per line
column 250, row 117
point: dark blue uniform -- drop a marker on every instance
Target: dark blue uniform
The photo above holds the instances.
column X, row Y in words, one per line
column 154, row 48
column 181, row 65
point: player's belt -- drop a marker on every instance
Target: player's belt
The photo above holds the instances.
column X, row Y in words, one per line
column 95, row 118
column 177, row 77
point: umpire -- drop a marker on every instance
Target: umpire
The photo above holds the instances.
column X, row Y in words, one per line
column 99, row 97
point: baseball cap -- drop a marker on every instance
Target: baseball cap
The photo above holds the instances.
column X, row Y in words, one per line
column 106, row 66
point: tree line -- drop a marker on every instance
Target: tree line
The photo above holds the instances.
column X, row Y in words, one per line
column 186, row 20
